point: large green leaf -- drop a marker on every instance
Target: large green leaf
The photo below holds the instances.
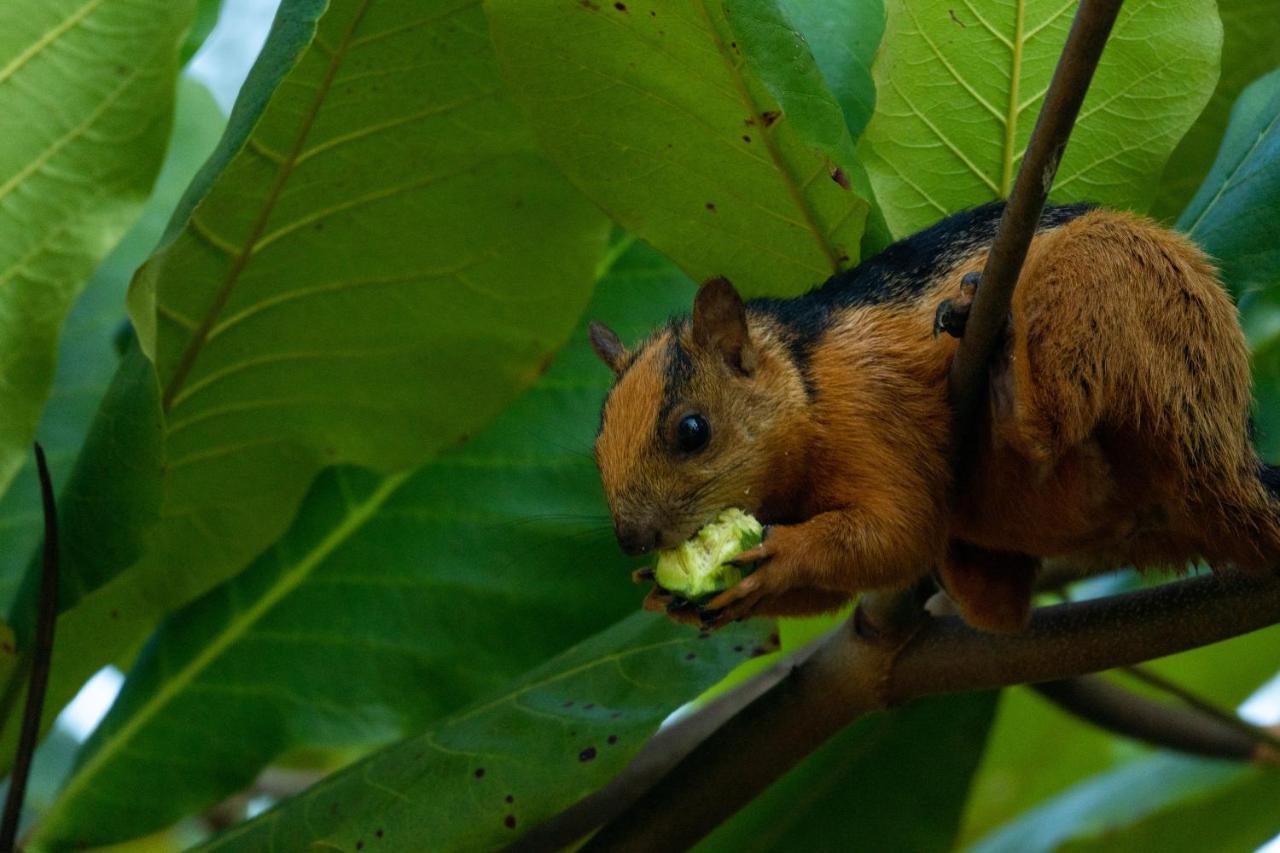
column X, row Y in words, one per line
column 87, row 353
column 389, row 603
column 1235, row 215
column 652, row 111
column 387, row 217
column 371, row 265
column 1250, row 48
column 86, row 88
column 960, row 86
column 481, row 778
column 891, row 782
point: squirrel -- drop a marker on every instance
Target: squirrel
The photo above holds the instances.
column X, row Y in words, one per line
column 1116, row 430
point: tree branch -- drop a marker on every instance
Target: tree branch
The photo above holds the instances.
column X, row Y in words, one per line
column 842, row 682
column 45, row 623
column 1109, row 706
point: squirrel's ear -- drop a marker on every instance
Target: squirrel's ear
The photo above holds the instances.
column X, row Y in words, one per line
column 608, row 346
column 720, row 324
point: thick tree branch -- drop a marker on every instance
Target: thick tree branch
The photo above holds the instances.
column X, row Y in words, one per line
column 843, row 681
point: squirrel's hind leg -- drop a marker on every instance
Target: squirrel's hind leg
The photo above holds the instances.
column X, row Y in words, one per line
column 991, row 589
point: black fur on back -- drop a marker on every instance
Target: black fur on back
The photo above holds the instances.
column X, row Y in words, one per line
column 898, row 274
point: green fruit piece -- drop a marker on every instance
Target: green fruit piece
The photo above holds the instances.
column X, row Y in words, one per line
column 700, row 566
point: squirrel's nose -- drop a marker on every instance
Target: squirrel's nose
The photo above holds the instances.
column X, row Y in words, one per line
column 636, row 539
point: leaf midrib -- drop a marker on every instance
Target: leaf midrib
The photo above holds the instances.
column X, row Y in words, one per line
column 189, row 355
column 1011, row 113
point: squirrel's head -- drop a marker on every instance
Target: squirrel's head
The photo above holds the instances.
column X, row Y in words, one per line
column 705, row 415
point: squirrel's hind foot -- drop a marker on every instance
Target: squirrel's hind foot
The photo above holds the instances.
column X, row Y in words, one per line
column 952, row 315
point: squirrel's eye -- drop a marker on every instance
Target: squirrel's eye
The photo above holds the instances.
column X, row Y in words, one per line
column 692, row 433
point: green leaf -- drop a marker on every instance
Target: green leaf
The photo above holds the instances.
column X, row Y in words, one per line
column 653, row 112
column 843, row 35
column 382, row 182
column 1164, row 802
column 960, row 87
column 896, row 780
column 388, row 604
column 87, row 353
column 1250, row 48
column 1236, row 212
column 481, row 778
column 374, row 217
column 86, row 87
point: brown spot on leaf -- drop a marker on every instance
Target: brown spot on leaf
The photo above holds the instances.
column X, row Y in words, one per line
column 621, row 7
column 510, row 798
column 359, row 845
column 737, row 648
column 838, row 175
column 587, row 754
column 378, row 833
column 774, row 639
column 746, row 139
column 711, row 206
column 690, row 656
column 587, row 4
column 509, row 821
column 479, row 774
column 611, row 740
column 769, row 117
column 960, row 23
column 759, row 651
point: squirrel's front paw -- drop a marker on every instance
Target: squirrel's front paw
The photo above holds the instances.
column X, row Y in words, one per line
column 779, row 569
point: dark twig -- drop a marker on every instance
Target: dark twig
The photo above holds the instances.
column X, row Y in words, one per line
column 1021, row 218
column 1257, row 734
column 46, row 619
column 1108, row 705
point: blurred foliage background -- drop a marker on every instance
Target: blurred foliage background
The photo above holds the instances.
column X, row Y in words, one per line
column 306, row 346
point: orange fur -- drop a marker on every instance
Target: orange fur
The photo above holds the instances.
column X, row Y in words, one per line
column 1116, row 433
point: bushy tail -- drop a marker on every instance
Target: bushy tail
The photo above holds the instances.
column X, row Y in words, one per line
column 1270, row 476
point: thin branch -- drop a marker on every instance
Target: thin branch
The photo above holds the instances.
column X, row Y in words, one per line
column 1021, row 218
column 1258, row 734
column 1108, row 705
column 844, row 680
column 45, row 622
